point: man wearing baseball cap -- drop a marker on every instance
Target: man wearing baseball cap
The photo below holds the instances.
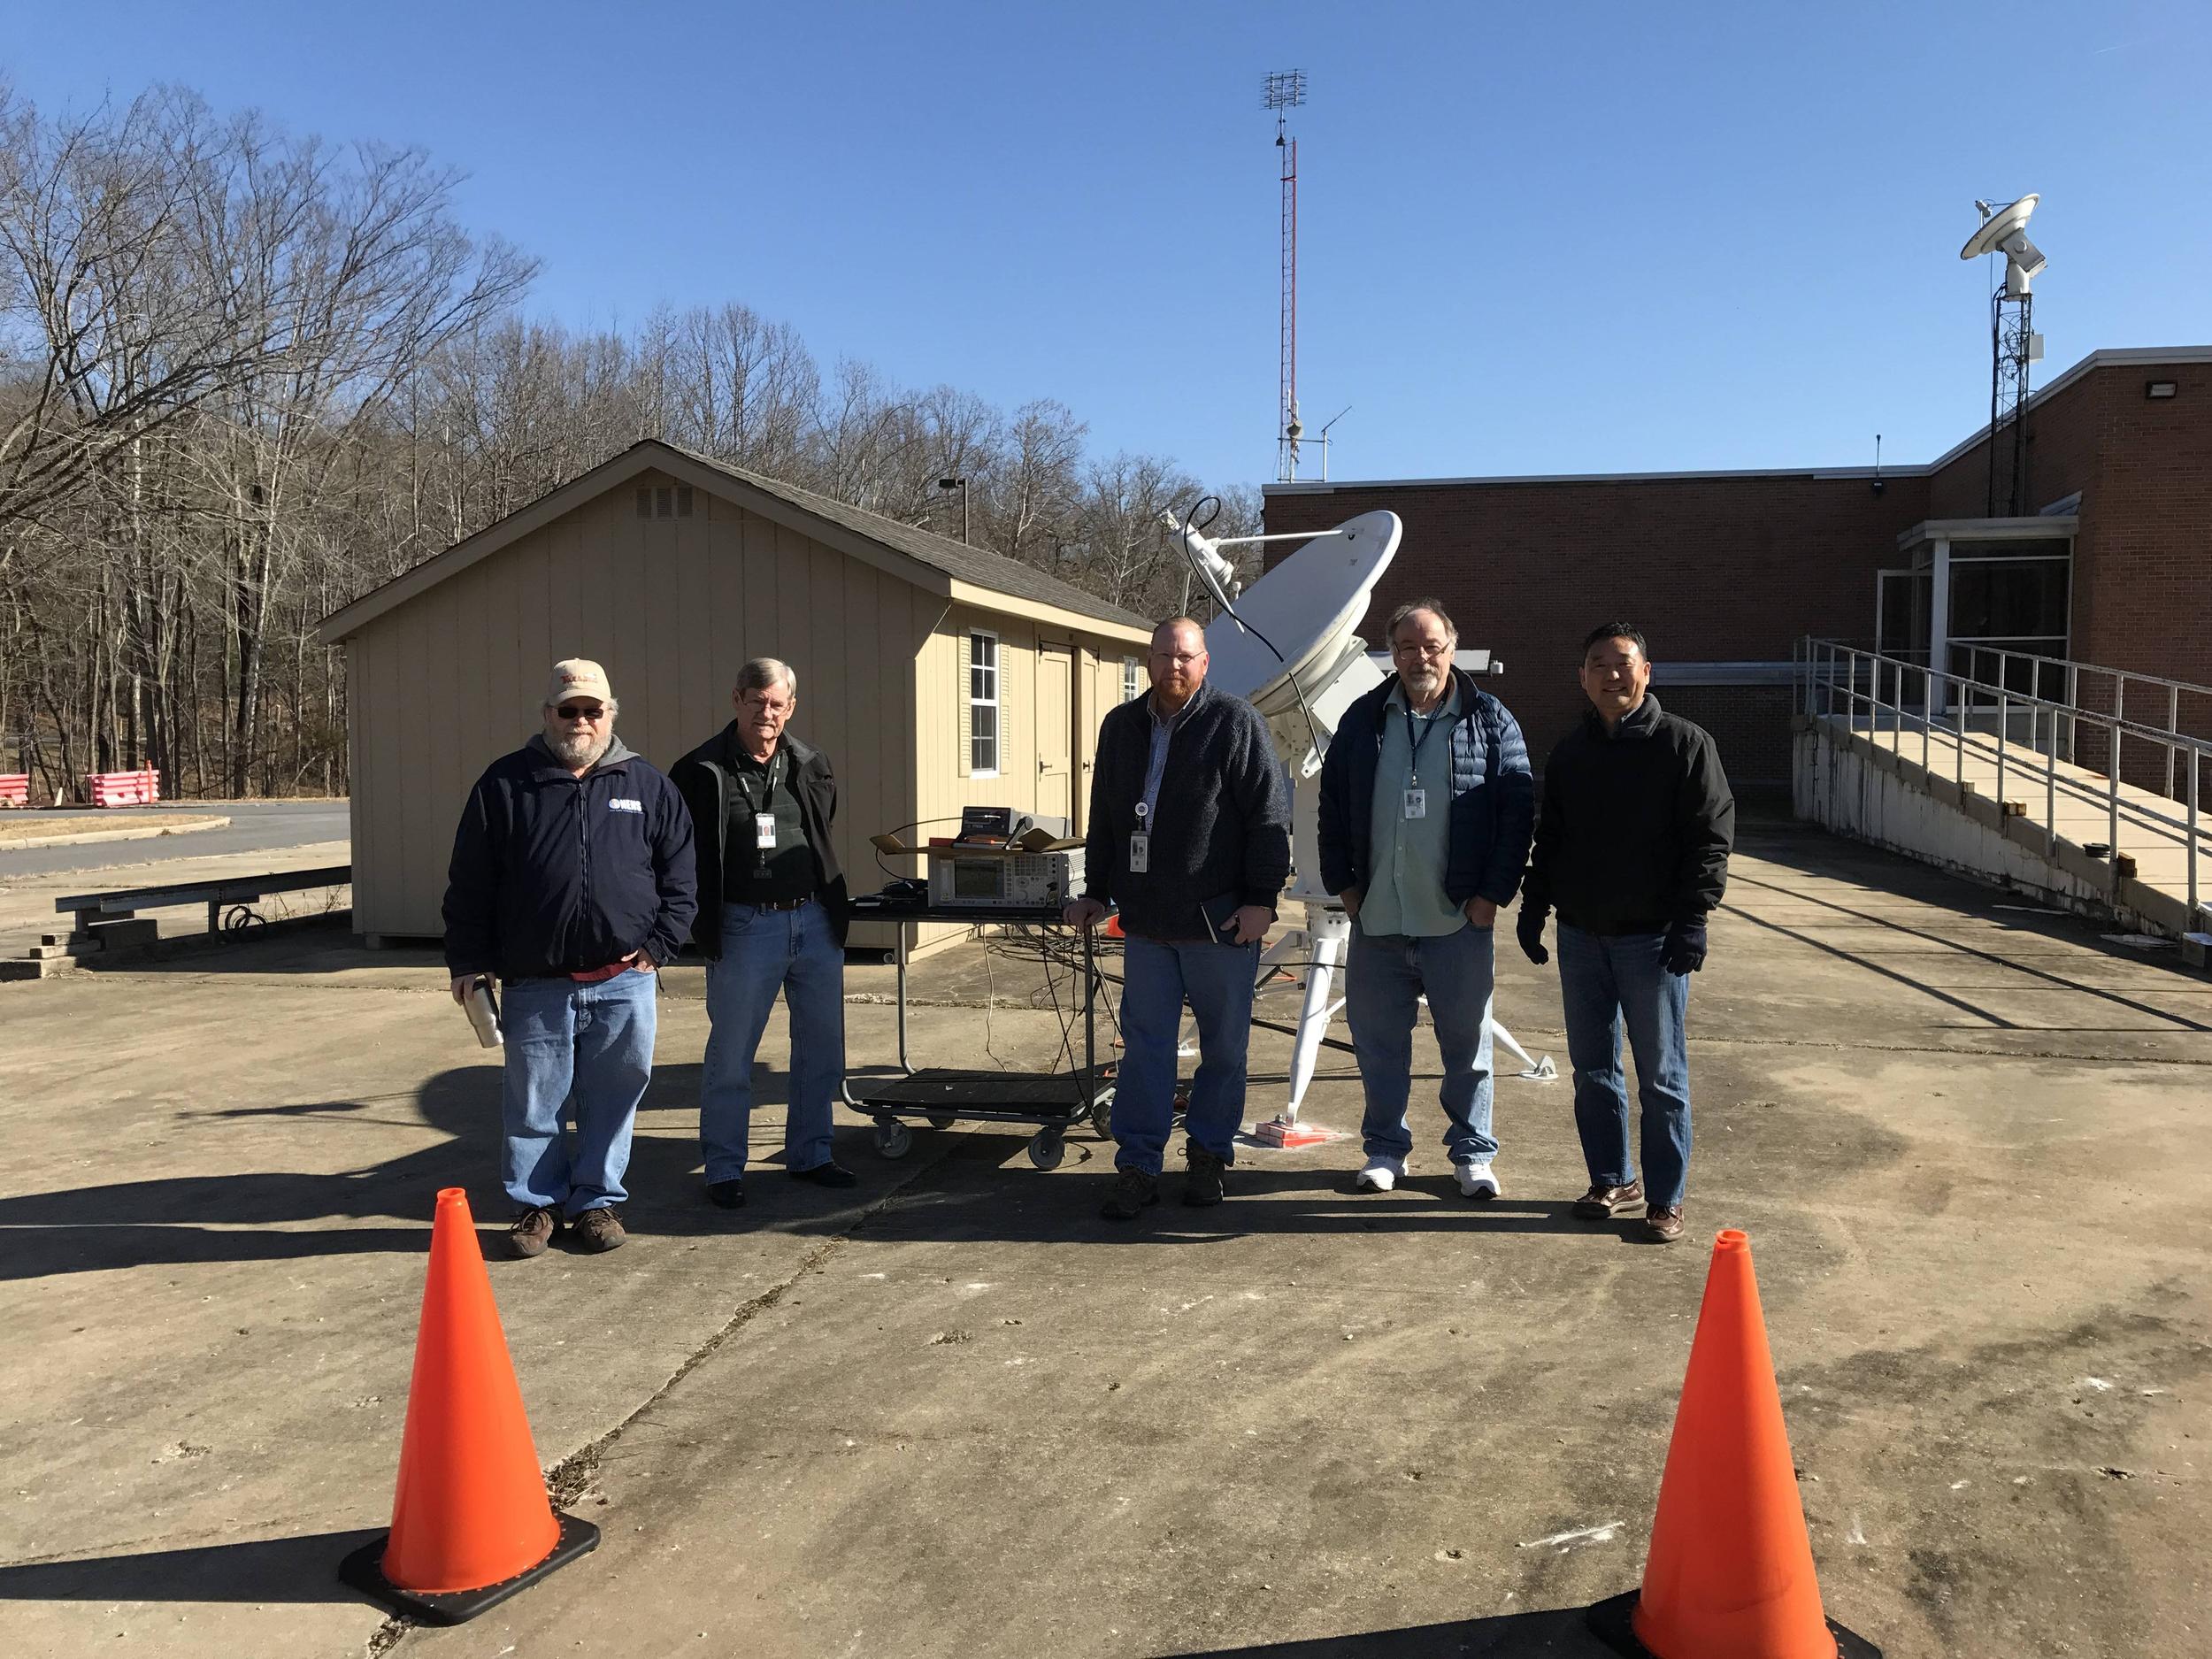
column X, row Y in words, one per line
column 572, row 882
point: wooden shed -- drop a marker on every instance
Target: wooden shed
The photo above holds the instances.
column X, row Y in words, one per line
column 936, row 675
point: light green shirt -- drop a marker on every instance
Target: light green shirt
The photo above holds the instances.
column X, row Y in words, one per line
column 1405, row 894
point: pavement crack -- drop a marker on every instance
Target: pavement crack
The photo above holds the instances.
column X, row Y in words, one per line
column 569, row 1479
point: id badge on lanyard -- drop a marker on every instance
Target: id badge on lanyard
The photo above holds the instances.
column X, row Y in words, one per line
column 1417, row 802
column 1141, row 842
column 764, row 816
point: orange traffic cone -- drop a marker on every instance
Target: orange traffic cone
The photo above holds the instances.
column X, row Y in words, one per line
column 1730, row 1575
column 470, row 1521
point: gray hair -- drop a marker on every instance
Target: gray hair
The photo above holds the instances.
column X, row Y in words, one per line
column 1413, row 608
column 763, row 672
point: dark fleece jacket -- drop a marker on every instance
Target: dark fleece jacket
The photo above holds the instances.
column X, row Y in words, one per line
column 1223, row 826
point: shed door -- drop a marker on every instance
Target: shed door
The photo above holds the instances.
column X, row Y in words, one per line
column 1055, row 731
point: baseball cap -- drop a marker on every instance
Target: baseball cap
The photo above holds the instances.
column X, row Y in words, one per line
column 578, row 677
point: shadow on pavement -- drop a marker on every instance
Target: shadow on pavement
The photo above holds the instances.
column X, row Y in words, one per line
column 1504, row 1637
column 303, row 1569
column 267, row 1215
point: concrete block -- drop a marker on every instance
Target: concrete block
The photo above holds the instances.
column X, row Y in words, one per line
column 129, row 930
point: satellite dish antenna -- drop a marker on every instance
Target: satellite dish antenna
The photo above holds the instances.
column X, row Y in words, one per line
column 2006, row 232
column 1286, row 647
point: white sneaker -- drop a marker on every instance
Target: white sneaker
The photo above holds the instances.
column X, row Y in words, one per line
column 1475, row 1181
column 1379, row 1175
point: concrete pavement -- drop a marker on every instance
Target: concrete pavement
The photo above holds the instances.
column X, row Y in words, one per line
column 959, row 1414
column 255, row 827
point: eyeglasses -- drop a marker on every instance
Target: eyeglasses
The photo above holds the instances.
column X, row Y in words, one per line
column 572, row 711
column 1421, row 647
column 1181, row 659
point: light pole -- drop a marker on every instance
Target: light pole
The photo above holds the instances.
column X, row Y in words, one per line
column 960, row 484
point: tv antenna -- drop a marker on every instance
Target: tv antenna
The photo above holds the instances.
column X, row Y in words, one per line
column 2012, row 346
column 1283, row 92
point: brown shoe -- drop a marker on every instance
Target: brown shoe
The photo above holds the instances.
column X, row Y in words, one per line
column 532, row 1231
column 1664, row 1223
column 597, row 1230
column 1603, row 1202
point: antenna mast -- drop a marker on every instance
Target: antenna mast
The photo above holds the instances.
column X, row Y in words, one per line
column 1284, row 91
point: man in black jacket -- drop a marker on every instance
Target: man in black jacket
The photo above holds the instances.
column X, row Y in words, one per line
column 570, row 882
column 1631, row 849
column 1189, row 834
column 773, row 916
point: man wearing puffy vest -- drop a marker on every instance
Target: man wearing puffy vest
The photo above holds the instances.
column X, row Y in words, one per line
column 1426, row 811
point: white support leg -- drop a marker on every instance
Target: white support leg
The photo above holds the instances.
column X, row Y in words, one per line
column 1533, row 1071
column 1330, row 931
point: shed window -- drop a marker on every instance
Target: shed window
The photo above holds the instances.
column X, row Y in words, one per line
column 1131, row 679
column 983, row 704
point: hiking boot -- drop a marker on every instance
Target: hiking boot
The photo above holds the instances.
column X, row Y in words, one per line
column 532, row 1231
column 597, row 1230
column 1664, row 1223
column 1603, row 1202
column 1201, row 1185
column 1134, row 1192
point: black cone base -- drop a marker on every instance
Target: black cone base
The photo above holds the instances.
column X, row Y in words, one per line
column 1609, row 1622
column 364, row 1570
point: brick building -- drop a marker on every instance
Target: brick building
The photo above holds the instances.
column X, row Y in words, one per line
column 1725, row 571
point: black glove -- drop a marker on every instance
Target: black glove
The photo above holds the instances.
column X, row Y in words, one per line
column 1528, row 926
column 1686, row 946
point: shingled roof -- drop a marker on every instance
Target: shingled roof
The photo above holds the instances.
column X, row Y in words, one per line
column 956, row 559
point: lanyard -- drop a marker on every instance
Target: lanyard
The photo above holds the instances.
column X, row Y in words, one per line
column 768, row 793
column 1429, row 723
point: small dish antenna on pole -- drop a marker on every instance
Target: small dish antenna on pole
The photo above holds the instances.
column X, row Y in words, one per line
column 2014, row 346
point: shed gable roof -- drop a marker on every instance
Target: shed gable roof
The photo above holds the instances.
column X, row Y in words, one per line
column 972, row 575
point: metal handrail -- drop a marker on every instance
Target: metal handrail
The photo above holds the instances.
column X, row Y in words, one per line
column 1827, row 665
column 2073, row 671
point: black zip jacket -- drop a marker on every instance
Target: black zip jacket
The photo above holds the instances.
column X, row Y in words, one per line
column 1224, row 816
column 1636, row 825
column 555, row 874
column 703, row 778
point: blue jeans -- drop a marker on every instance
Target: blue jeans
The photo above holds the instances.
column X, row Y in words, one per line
column 588, row 1044
column 763, row 952
column 1384, row 978
column 1157, row 978
column 1604, row 981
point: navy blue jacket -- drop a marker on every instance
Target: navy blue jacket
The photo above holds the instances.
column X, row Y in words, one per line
column 556, row 874
column 1493, row 797
column 1224, row 823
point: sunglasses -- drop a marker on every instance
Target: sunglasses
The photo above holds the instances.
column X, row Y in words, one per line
column 572, row 711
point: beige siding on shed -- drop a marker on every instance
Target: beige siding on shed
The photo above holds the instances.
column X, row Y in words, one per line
column 450, row 680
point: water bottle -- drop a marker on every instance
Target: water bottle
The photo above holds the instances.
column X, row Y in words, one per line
column 483, row 1013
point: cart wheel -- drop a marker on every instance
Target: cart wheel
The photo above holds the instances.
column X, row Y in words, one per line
column 893, row 1139
column 1045, row 1150
column 943, row 1121
column 1103, row 1118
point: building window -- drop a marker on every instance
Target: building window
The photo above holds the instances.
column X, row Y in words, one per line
column 1131, row 679
column 983, row 704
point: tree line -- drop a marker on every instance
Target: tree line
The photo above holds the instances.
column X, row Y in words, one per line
column 245, row 376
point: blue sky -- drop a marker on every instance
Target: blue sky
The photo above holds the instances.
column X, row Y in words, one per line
column 1574, row 238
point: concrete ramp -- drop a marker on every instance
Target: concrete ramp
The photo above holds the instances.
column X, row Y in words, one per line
column 2008, row 811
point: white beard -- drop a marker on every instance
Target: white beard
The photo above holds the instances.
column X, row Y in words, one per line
column 576, row 752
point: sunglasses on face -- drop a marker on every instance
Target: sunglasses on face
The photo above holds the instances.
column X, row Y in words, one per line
column 571, row 712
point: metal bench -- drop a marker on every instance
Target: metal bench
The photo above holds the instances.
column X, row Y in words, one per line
column 232, row 891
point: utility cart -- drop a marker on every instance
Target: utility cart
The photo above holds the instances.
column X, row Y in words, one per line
column 1056, row 1102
